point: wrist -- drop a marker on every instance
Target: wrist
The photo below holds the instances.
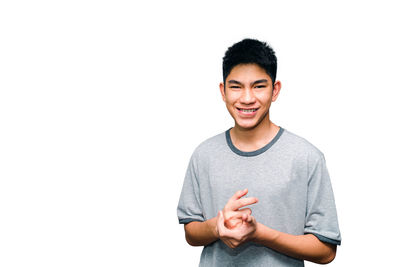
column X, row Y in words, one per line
column 264, row 234
column 212, row 223
column 257, row 233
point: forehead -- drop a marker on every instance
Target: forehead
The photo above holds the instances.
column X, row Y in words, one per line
column 247, row 72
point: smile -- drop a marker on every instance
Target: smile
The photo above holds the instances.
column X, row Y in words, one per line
column 245, row 110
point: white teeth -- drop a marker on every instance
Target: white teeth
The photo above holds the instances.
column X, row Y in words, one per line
column 248, row 110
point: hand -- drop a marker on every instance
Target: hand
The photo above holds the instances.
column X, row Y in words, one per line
column 232, row 212
column 242, row 233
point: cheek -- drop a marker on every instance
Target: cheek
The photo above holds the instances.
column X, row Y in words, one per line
column 264, row 98
column 229, row 99
column 264, row 101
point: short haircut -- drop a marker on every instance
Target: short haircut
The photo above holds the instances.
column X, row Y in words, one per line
column 250, row 51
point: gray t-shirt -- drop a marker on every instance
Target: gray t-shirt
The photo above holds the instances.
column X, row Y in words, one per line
column 288, row 176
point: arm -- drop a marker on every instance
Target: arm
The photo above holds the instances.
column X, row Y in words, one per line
column 306, row 247
column 201, row 233
column 226, row 227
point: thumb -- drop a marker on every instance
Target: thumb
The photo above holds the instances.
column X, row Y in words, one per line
column 220, row 218
column 220, row 222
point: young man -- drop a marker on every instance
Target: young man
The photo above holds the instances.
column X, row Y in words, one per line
column 291, row 216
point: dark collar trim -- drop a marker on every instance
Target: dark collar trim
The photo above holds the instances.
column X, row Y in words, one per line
column 252, row 153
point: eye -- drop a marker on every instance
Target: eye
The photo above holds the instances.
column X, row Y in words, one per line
column 260, row 86
column 234, row 87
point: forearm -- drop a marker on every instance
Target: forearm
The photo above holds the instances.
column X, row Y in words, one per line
column 201, row 233
column 306, row 247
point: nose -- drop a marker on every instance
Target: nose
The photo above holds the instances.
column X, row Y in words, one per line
column 247, row 96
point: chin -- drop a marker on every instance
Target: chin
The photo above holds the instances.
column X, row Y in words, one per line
column 246, row 126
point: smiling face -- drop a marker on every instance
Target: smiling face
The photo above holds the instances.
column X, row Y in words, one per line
column 248, row 93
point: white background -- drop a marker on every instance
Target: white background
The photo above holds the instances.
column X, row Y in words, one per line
column 103, row 102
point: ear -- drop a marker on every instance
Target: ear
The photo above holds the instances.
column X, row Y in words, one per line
column 222, row 90
column 276, row 90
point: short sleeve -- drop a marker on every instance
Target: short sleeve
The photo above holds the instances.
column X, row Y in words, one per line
column 321, row 217
column 189, row 206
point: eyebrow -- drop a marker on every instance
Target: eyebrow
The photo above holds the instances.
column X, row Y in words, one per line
column 253, row 83
column 235, row 82
column 260, row 81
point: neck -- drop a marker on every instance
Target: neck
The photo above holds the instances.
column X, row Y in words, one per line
column 255, row 138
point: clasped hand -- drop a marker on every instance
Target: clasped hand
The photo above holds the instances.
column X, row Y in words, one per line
column 235, row 225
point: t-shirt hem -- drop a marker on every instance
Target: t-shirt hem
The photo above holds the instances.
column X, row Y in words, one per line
column 327, row 240
column 185, row 221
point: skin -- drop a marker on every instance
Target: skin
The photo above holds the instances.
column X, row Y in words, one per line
column 248, row 86
column 233, row 211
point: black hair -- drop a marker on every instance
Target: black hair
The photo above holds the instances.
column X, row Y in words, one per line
column 250, row 51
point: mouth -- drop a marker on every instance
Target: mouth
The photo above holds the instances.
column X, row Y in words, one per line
column 247, row 111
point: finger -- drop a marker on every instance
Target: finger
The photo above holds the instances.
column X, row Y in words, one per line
column 220, row 222
column 220, row 217
column 231, row 224
column 240, row 203
column 235, row 197
column 246, row 210
column 250, row 219
column 239, row 194
column 232, row 215
column 247, row 218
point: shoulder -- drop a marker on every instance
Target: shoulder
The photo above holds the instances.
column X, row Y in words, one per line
column 210, row 146
column 300, row 146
